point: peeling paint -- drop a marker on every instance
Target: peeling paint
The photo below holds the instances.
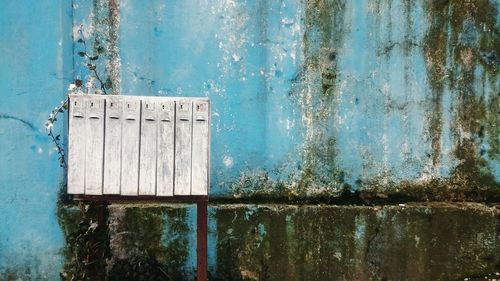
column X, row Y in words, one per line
column 101, row 31
column 319, row 101
column 459, row 33
column 460, row 105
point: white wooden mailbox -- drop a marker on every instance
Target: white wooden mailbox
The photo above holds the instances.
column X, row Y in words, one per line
column 138, row 146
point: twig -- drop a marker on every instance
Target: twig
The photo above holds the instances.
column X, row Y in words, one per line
column 89, row 64
column 64, row 104
column 49, row 124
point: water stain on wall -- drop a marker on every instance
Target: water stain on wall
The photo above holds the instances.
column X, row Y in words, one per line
column 416, row 241
column 86, row 238
column 123, row 242
column 461, row 48
column 100, row 29
column 148, row 242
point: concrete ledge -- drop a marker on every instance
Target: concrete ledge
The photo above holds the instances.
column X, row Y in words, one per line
column 434, row 241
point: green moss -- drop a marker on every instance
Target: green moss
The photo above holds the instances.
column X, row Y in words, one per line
column 85, row 231
column 30, row 270
column 416, row 242
column 471, row 180
column 314, row 91
column 145, row 242
column 462, row 38
column 270, row 242
column 103, row 42
column 149, row 243
column 435, row 54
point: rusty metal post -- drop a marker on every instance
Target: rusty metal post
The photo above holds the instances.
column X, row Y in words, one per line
column 201, row 243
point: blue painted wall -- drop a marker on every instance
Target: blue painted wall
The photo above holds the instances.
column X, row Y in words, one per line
column 317, row 95
column 309, row 97
column 35, row 42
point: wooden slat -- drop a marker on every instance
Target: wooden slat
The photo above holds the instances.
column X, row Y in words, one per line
column 183, row 129
column 94, row 154
column 199, row 184
column 130, row 145
column 76, row 145
column 147, row 167
column 165, row 156
column 112, row 145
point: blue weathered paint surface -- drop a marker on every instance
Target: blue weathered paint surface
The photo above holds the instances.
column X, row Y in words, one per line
column 309, row 97
column 35, row 43
column 263, row 65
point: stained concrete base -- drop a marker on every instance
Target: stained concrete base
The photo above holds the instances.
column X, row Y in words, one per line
column 434, row 241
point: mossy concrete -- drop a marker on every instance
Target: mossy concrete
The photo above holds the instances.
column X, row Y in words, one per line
column 149, row 242
column 318, row 101
column 413, row 241
column 436, row 241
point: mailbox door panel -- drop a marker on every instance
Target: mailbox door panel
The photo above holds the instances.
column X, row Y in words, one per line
column 147, row 160
column 112, row 145
column 130, row 146
column 94, row 158
column 165, row 156
column 200, row 158
column 76, row 145
column 183, row 129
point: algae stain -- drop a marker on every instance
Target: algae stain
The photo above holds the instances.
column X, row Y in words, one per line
column 87, row 243
column 150, row 243
column 315, row 92
column 461, row 32
column 435, row 54
column 102, row 42
column 122, row 242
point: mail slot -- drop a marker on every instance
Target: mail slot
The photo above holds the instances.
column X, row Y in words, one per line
column 94, row 136
column 130, row 145
column 183, row 142
column 76, row 144
column 136, row 145
column 113, row 145
column 147, row 162
column 165, row 145
column 200, row 151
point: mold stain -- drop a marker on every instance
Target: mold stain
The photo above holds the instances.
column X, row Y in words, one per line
column 106, row 20
column 122, row 242
column 148, row 242
column 102, row 41
column 460, row 49
column 321, row 242
column 314, row 90
column 435, row 55
column 460, row 34
column 315, row 93
column 28, row 271
column 86, row 238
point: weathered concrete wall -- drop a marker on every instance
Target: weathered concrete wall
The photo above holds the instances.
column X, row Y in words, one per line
column 329, row 101
column 313, row 97
column 309, row 242
column 415, row 241
column 36, row 55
